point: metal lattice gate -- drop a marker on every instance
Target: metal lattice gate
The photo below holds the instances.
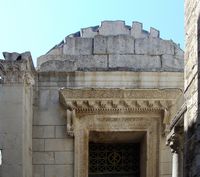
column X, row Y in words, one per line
column 114, row 160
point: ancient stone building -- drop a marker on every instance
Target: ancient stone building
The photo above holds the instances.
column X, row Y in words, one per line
column 110, row 100
column 100, row 103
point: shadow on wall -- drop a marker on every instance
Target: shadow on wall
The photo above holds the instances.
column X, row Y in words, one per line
column 192, row 134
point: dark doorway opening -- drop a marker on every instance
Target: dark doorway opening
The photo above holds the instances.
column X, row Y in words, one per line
column 114, row 159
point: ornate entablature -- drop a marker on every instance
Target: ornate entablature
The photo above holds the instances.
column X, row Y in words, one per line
column 117, row 111
column 82, row 102
column 17, row 68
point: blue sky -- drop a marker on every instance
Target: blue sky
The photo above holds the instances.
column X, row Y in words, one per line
column 38, row 25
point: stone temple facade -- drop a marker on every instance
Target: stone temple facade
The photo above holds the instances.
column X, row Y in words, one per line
column 109, row 100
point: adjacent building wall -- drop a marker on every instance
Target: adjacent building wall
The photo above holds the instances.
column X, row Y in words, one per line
column 191, row 127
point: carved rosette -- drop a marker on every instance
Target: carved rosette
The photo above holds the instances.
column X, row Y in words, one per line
column 81, row 102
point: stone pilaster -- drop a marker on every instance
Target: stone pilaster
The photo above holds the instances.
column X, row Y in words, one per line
column 17, row 75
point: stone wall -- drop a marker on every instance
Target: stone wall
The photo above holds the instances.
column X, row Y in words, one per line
column 114, row 46
column 52, row 148
column 192, row 11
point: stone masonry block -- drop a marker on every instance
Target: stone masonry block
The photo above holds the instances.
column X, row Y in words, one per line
column 43, row 158
column 137, row 31
column 52, row 116
column 58, row 170
column 14, row 170
column 78, row 46
column 64, row 158
column 38, row 170
column 153, row 46
column 89, row 32
column 121, row 44
column 43, row 131
column 61, row 131
column 38, row 144
column 170, row 63
column 59, row 144
column 12, row 156
column 58, row 65
column 135, row 62
column 154, row 33
column 100, row 44
column 179, row 53
column 113, row 28
column 91, row 61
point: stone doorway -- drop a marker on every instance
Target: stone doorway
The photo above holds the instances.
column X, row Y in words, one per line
column 117, row 154
column 117, row 116
column 114, row 159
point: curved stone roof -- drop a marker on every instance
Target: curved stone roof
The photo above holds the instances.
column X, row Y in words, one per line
column 113, row 46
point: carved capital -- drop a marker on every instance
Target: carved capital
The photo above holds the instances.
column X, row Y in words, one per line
column 17, row 68
column 175, row 140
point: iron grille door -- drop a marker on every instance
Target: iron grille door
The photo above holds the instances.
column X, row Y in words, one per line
column 114, row 160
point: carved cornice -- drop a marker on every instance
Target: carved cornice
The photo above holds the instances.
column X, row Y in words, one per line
column 105, row 100
column 110, row 106
column 82, row 102
column 17, row 71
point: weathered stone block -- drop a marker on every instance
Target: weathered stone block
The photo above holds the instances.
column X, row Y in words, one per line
column 100, row 44
column 12, row 156
column 58, row 170
column 154, row 33
column 14, row 170
column 137, row 31
column 59, row 144
column 50, row 111
column 170, row 63
column 91, row 62
column 179, row 53
column 121, row 44
column 78, row 46
column 65, row 158
column 61, row 131
column 113, row 28
column 135, row 62
column 43, row 158
column 153, row 46
column 38, row 170
column 58, row 65
column 38, row 145
column 43, row 131
column 89, row 32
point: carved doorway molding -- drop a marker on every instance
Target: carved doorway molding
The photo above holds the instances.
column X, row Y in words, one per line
column 117, row 110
